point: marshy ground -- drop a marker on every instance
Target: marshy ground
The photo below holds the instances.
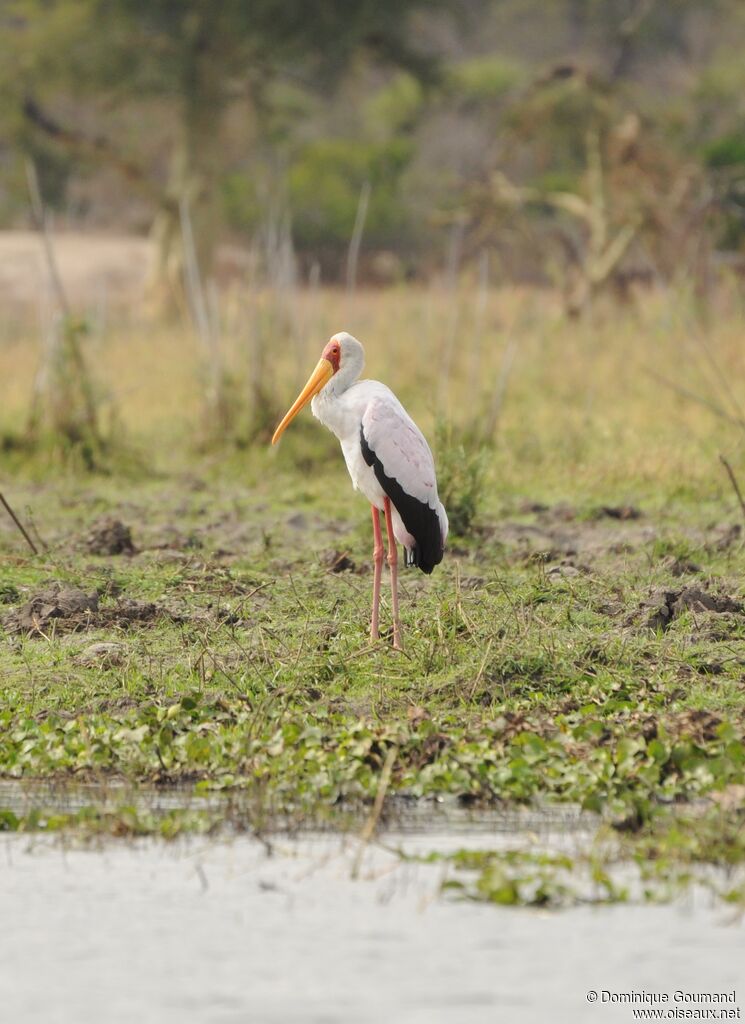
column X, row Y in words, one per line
column 209, row 635
column 187, row 657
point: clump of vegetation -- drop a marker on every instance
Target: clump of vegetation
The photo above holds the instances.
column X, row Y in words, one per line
column 461, row 476
column 523, row 878
column 668, row 852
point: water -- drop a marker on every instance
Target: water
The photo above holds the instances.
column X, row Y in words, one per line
column 240, row 808
column 235, row 930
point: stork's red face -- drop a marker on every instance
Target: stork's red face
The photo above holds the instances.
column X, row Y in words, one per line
column 328, row 365
column 332, row 352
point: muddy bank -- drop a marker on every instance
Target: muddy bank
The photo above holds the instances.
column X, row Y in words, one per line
column 65, row 608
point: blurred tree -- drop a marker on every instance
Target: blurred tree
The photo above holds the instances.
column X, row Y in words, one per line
column 194, row 57
column 324, row 188
column 612, row 202
column 237, row 107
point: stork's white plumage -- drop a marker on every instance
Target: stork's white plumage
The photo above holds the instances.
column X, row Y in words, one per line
column 388, row 460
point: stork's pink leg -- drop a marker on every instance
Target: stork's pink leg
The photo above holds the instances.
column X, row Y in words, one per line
column 393, row 563
column 377, row 572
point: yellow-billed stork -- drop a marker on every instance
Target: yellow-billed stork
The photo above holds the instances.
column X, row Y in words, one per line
column 388, row 460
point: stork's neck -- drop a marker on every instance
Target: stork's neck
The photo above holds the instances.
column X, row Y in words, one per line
column 349, row 370
column 335, row 403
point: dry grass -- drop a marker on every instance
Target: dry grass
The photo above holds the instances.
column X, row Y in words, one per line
column 581, row 409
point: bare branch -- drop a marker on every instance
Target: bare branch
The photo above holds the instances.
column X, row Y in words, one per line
column 19, row 524
column 98, row 147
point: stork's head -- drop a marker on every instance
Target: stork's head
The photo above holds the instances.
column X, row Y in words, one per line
column 341, row 362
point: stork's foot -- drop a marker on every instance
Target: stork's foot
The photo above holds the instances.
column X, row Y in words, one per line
column 387, row 638
column 398, row 643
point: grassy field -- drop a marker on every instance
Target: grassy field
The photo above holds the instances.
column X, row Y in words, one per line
column 582, row 643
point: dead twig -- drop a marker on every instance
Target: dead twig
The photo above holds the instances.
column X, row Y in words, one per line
column 33, row 529
column 19, row 524
column 733, row 481
column 368, row 829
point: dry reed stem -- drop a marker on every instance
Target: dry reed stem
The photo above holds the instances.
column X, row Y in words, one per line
column 40, row 219
column 198, row 304
column 356, row 239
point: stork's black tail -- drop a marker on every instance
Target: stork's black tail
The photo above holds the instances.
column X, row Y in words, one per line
column 419, row 518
